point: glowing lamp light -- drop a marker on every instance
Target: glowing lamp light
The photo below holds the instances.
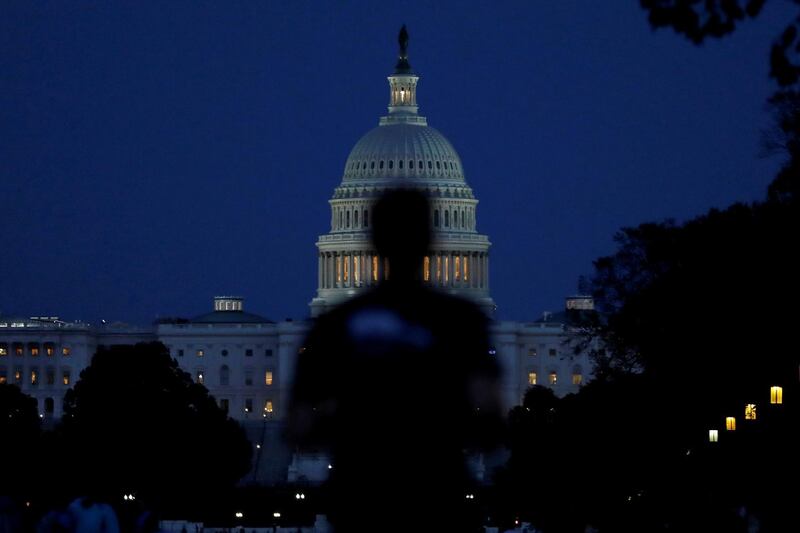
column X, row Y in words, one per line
column 239, row 514
column 730, row 423
column 750, row 411
column 776, row 395
column 276, row 515
column 713, row 435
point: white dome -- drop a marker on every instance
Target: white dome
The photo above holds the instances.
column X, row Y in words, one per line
column 403, row 151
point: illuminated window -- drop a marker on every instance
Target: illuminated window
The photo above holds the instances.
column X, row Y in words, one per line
column 346, row 268
column 730, row 423
column 248, row 405
column 248, row 352
column 268, row 407
column 268, row 352
column 200, row 353
column 3, row 349
column 374, row 268
column 49, row 406
column 65, row 377
column 532, row 352
column 268, row 377
column 776, row 395
column 34, row 349
column 18, row 349
column 446, row 267
column 750, row 411
column 50, row 376
column 338, row 269
column 713, row 435
column 426, row 268
column 3, row 376
column 577, row 375
column 49, row 349
column 531, row 378
column 201, row 377
column 224, row 375
column 18, row 375
column 466, row 268
column 34, row 376
column 224, row 404
column 248, row 377
column 553, row 378
column 356, row 268
column 65, row 351
column 457, row 268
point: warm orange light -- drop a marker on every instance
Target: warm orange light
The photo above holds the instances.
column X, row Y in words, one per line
column 531, row 378
column 750, row 411
column 730, row 423
column 776, row 395
column 268, row 377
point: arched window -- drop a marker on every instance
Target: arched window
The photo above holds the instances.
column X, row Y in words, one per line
column 340, row 218
column 366, row 218
column 420, row 164
column 438, row 166
column 391, row 164
column 436, row 218
column 400, row 164
column 347, row 218
column 224, row 375
column 430, row 164
column 355, row 218
column 381, row 164
column 447, row 219
column 411, row 164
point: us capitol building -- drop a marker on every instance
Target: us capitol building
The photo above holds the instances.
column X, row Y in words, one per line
column 246, row 361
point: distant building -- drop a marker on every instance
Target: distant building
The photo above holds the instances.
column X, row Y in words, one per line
column 246, row 361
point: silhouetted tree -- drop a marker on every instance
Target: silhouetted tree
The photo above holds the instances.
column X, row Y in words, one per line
column 716, row 18
column 19, row 440
column 135, row 422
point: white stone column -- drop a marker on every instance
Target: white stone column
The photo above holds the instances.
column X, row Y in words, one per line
column 320, row 267
column 351, row 277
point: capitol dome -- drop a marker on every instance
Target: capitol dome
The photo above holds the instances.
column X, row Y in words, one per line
column 403, row 151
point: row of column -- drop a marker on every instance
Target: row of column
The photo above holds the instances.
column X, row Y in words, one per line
column 364, row 269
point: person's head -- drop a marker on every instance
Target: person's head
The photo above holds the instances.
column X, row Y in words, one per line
column 401, row 231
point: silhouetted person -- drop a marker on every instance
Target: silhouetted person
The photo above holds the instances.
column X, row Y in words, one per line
column 395, row 384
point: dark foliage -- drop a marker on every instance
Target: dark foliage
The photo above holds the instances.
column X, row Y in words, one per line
column 19, row 440
column 698, row 20
column 136, row 423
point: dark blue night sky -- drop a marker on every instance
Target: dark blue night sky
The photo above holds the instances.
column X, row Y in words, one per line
column 153, row 156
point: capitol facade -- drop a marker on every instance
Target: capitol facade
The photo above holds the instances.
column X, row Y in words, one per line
column 246, row 361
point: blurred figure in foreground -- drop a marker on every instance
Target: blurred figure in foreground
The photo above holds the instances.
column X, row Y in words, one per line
column 397, row 385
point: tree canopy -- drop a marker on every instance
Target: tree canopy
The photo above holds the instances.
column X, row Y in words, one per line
column 19, row 427
column 135, row 422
